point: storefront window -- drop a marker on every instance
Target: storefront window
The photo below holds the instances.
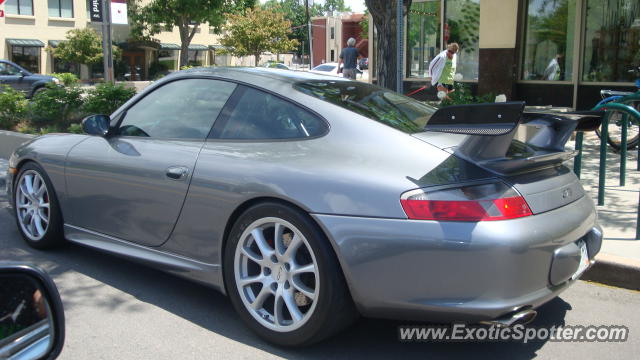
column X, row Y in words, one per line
column 462, row 26
column 60, row 66
column 19, row 7
column 549, row 36
column 196, row 57
column 423, row 36
column 612, row 40
column 168, row 59
column 26, row 56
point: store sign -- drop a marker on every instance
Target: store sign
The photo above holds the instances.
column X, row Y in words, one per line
column 95, row 10
column 119, row 12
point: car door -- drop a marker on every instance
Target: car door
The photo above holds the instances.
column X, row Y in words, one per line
column 11, row 75
column 132, row 185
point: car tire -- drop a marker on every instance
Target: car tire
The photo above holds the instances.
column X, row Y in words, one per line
column 36, row 208
column 296, row 309
column 37, row 91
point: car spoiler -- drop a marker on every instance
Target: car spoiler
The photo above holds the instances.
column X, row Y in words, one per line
column 492, row 127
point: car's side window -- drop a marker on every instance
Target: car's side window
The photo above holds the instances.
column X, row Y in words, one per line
column 6, row 69
column 182, row 109
column 257, row 115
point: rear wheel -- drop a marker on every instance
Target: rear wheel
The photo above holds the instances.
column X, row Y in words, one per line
column 36, row 208
column 283, row 278
column 614, row 130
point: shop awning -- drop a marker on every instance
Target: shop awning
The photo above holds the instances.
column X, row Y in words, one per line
column 54, row 43
column 169, row 46
column 25, row 42
column 217, row 47
column 197, row 47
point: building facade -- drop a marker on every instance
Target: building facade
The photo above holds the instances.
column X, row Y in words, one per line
column 547, row 52
column 330, row 35
column 29, row 27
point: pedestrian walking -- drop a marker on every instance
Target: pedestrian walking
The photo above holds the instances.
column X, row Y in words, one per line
column 349, row 56
column 443, row 69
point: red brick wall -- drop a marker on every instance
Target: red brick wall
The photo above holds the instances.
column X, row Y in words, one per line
column 319, row 35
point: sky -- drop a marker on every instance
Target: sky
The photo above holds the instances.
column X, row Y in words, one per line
column 355, row 5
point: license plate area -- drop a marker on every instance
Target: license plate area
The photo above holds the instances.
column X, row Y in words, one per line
column 584, row 260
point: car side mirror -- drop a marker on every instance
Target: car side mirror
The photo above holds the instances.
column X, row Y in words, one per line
column 21, row 74
column 96, row 125
column 31, row 314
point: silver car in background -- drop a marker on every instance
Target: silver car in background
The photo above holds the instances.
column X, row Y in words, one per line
column 310, row 200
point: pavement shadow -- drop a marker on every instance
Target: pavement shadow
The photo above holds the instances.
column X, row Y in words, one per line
column 205, row 307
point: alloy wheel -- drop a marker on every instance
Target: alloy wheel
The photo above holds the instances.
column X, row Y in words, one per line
column 276, row 274
column 33, row 205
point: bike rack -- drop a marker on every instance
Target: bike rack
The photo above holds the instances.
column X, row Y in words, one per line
column 577, row 165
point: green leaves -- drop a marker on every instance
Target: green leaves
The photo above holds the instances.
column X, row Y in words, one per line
column 258, row 31
column 105, row 98
column 82, row 46
column 13, row 107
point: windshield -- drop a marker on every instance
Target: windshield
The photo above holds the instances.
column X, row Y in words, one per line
column 387, row 107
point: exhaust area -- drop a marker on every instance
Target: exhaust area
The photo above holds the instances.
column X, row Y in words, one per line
column 522, row 317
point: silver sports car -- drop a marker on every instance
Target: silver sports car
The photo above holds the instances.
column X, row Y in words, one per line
column 310, row 200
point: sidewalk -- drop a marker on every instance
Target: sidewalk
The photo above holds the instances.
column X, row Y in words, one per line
column 618, row 263
column 619, row 259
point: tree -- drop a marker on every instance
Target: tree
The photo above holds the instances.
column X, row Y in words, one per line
column 384, row 17
column 294, row 11
column 257, row 31
column 335, row 6
column 82, row 46
column 187, row 15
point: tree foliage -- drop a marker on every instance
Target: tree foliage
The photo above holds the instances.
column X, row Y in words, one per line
column 150, row 18
column 257, row 31
column 295, row 12
column 82, row 46
column 335, row 6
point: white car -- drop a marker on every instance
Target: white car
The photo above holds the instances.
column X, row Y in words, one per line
column 327, row 69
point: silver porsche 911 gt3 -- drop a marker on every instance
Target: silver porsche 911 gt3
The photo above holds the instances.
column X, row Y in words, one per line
column 310, row 200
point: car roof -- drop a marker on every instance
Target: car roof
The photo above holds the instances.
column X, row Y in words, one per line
column 255, row 75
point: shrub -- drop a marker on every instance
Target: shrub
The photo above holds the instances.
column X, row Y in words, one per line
column 106, row 98
column 462, row 95
column 13, row 107
column 56, row 107
column 67, row 79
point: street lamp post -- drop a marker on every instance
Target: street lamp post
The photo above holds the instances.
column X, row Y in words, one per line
column 106, row 41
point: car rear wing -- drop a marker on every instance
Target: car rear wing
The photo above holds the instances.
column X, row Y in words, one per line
column 492, row 127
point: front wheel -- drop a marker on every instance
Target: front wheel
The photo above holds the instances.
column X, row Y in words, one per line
column 36, row 208
column 283, row 278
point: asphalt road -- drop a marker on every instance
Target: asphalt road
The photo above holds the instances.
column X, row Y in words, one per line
column 116, row 309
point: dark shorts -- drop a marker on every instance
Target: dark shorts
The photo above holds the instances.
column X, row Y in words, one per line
column 447, row 86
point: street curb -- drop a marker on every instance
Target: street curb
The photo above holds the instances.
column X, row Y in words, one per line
column 10, row 140
column 615, row 271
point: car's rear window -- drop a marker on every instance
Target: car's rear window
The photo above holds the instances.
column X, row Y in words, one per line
column 327, row 68
column 390, row 108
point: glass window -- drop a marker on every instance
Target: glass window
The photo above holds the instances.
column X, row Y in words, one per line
column 384, row 106
column 612, row 40
column 60, row 66
column 168, row 59
column 259, row 115
column 19, row 7
column 326, row 68
column 423, row 36
column 61, row 8
column 182, row 109
column 196, row 58
column 26, row 56
column 463, row 27
column 8, row 69
column 549, row 35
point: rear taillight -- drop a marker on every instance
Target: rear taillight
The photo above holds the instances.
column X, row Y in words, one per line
column 485, row 202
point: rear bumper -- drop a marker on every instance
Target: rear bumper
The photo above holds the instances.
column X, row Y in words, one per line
column 454, row 271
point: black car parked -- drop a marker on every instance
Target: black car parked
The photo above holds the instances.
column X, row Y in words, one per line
column 20, row 79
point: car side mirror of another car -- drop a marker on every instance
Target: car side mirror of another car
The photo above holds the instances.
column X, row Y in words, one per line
column 31, row 314
column 96, row 125
column 21, row 74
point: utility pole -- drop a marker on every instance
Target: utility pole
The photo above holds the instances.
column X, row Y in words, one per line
column 106, row 41
column 399, row 45
column 306, row 5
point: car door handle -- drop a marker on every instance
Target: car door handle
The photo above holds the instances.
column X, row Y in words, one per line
column 177, row 172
